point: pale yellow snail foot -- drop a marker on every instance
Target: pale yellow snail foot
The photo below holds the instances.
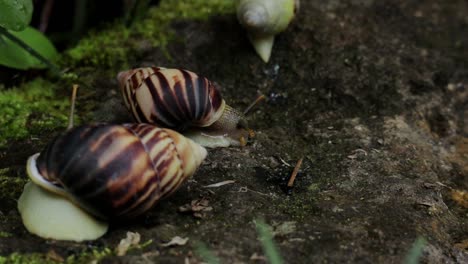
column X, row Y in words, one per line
column 212, row 140
column 52, row 216
column 263, row 46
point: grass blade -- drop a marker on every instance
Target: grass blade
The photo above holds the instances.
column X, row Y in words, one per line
column 268, row 244
column 416, row 251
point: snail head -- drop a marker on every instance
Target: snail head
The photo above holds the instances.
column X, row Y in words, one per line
column 233, row 126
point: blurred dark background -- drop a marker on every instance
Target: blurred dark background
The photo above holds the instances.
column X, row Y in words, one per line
column 65, row 22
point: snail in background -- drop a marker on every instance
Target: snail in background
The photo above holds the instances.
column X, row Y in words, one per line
column 110, row 171
column 263, row 19
column 182, row 100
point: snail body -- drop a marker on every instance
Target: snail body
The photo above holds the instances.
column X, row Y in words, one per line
column 53, row 216
column 182, row 100
column 116, row 171
column 263, row 19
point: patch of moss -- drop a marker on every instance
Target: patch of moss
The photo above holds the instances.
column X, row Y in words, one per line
column 10, row 187
column 5, row 234
column 191, row 9
column 40, row 258
column 93, row 256
column 90, row 256
column 298, row 207
column 17, row 258
column 116, row 45
column 29, row 109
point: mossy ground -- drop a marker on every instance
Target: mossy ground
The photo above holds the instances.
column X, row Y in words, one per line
column 30, row 109
column 371, row 93
column 51, row 258
column 123, row 45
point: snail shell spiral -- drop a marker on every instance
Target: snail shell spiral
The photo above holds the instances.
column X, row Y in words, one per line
column 116, row 170
column 172, row 98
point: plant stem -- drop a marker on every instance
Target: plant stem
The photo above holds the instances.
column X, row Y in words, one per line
column 30, row 50
column 79, row 19
column 45, row 15
column 72, row 107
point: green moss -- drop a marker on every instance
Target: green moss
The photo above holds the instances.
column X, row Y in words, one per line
column 192, row 9
column 93, row 256
column 90, row 256
column 90, row 52
column 39, row 258
column 115, row 46
column 29, row 109
column 298, row 207
column 17, row 258
column 10, row 186
column 314, row 187
column 5, row 234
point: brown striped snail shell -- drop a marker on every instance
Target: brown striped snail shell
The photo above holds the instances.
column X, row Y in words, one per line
column 116, row 171
column 182, row 100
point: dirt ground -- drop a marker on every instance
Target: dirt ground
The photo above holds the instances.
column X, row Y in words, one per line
column 372, row 94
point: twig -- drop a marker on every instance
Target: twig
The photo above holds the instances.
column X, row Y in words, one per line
column 30, row 50
column 244, row 189
column 219, row 184
column 259, row 98
column 284, row 162
column 294, row 173
column 72, row 107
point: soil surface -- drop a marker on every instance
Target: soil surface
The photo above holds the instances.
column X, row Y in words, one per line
column 371, row 94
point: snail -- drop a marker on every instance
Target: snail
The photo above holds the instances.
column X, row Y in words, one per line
column 93, row 173
column 116, row 171
column 263, row 19
column 181, row 100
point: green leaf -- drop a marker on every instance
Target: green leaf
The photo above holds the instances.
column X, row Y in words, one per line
column 14, row 56
column 15, row 14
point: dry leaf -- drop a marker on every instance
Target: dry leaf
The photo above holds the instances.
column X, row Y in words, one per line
column 461, row 197
column 176, row 241
column 132, row 239
column 197, row 207
column 201, row 205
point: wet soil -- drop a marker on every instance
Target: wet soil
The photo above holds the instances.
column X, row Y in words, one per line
column 372, row 94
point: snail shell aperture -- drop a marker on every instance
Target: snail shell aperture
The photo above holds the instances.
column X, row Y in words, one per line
column 116, row 171
column 182, row 100
column 263, row 19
